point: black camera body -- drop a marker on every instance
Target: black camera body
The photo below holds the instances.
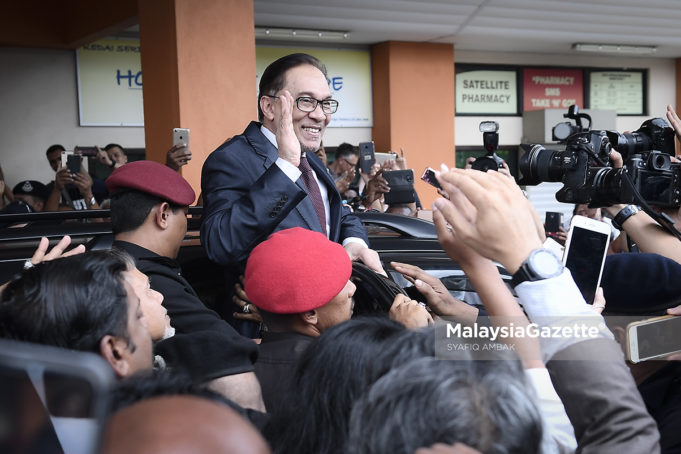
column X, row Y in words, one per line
column 490, row 140
column 587, row 177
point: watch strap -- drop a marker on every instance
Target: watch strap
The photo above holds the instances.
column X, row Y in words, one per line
column 624, row 214
column 526, row 272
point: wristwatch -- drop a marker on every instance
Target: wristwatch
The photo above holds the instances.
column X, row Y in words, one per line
column 92, row 201
column 624, row 214
column 541, row 264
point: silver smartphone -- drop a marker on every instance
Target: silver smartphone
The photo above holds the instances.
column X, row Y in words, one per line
column 181, row 135
column 653, row 338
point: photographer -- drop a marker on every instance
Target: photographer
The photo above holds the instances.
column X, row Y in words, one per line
column 489, row 213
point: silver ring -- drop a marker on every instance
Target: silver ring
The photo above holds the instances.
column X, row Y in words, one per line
column 245, row 309
column 423, row 305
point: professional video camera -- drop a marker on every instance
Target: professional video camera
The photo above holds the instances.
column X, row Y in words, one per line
column 562, row 131
column 490, row 140
column 588, row 177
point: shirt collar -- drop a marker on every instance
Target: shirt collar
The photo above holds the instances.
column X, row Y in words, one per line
column 269, row 135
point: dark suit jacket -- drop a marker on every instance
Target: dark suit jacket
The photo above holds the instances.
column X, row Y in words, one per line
column 601, row 399
column 247, row 197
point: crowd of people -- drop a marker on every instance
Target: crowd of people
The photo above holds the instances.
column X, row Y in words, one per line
column 310, row 378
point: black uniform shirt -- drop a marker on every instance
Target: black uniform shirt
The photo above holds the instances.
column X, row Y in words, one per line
column 204, row 345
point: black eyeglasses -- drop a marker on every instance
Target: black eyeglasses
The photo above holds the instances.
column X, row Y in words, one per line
column 307, row 104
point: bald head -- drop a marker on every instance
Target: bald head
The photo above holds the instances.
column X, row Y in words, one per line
column 181, row 424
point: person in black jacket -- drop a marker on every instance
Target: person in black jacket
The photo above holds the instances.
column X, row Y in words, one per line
column 149, row 206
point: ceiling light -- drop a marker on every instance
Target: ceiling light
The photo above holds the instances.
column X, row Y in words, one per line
column 300, row 34
column 615, row 49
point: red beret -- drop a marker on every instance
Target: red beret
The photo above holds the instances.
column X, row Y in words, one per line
column 296, row 270
column 152, row 178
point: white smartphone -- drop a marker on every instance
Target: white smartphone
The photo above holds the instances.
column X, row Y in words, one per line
column 181, row 135
column 382, row 157
column 585, row 251
column 653, row 338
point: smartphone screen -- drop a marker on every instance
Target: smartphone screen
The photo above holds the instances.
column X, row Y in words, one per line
column 553, row 221
column 659, row 338
column 430, row 178
column 73, row 163
column 585, row 258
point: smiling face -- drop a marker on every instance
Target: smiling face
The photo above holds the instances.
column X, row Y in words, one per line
column 306, row 80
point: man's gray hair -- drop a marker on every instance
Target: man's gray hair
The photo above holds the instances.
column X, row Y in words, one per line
column 486, row 405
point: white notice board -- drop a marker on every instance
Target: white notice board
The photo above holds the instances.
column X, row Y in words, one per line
column 110, row 83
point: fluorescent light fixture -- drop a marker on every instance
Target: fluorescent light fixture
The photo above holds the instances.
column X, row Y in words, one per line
column 614, row 48
column 305, row 34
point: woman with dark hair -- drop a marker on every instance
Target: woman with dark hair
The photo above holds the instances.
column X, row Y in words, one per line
column 332, row 373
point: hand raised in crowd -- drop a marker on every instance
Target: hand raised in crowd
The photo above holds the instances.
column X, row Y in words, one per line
column 499, row 223
column 287, row 142
column 401, row 161
column 83, row 181
column 359, row 252
column 345, row 180
column 247, row 311
column 62, row 178
column 674, row 121
column 104, row 158
column 410, row 313
column 560, row 236
column 375, row 188
column 438, row 298
column 375, row 168
column 178, row 156
column 41, row 255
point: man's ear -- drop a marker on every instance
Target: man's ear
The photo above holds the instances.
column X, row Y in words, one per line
column 161, row 215
column 114, row 350
column 309, row 317
column 267, row 107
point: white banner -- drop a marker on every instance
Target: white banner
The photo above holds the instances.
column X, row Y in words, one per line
column 110, row 83
column 349, row 78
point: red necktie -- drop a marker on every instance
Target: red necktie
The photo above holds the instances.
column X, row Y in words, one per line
column 313, row 191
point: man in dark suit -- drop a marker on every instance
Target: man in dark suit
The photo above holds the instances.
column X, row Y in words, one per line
column 259, row 182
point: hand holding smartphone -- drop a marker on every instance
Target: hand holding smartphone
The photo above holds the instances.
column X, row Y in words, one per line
column 181, row 135
column 653, row 338
column 585, row 251
column 367, row 156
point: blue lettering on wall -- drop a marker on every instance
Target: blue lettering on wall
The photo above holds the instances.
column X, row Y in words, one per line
column 130, row 77
column 336, row 83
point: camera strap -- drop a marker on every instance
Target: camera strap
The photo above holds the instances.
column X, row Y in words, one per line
column 663, row 219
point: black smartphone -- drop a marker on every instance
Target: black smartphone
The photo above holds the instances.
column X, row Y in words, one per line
column 553, row 221
column 401, row 184
column 73, row 163
column 585, row 251
column 86, row 151
column 367, row 156
column 429, row 177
